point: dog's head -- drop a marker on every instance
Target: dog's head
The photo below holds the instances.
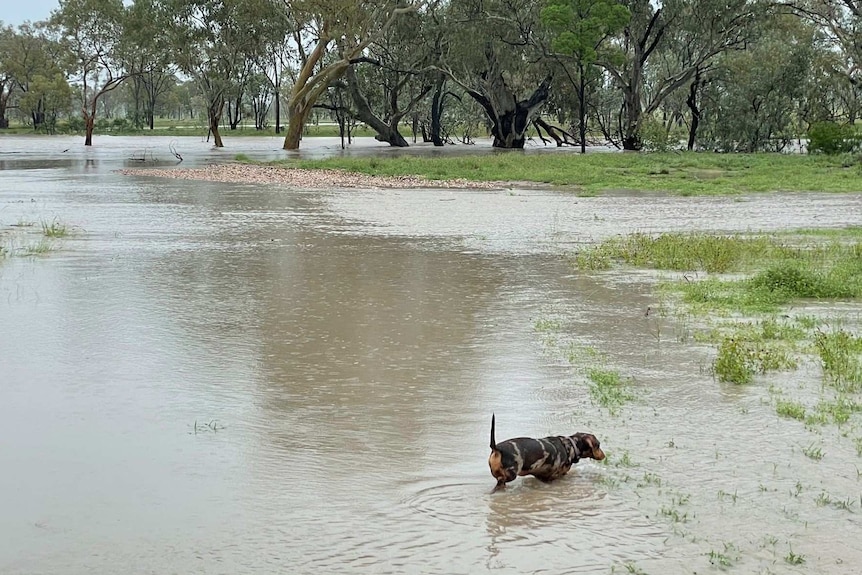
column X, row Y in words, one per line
column 588, row 446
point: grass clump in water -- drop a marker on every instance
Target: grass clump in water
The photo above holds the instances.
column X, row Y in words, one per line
column 738, row 361
column 679, row 252
column 608, row 388
column 54, row 229
column 841, row 359
column 791, row 409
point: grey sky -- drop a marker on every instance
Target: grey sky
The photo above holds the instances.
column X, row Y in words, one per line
column 15, row 12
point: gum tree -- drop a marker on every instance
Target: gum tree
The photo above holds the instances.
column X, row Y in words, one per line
column 318, row 26
column 494, row 55
column 90, row 32
column 213, row 42
column 581, row 30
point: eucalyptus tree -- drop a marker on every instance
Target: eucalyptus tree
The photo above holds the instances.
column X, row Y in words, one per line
column 91, row 32
column 696, row 31
column 495, row 55
column 32, row 58
column 260, row 96
column 392, row 77
column 213, row 42
column 146, row 53
column 339, row 30
column 841, row 20
column 754, row 100
column 581, row 32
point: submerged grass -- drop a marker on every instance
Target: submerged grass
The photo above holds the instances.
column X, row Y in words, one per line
column 608, row 388
column 686, row 173
column 54, row 229
column 783, row 270
column 756, row 277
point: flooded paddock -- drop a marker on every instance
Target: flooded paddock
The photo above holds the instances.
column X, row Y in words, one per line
column 231, row 378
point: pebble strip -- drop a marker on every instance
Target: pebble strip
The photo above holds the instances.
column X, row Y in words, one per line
column 305, row 179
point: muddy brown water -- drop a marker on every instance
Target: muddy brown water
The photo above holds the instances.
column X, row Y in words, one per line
column 230, row 378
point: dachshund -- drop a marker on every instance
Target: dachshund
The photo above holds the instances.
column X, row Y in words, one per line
column 546, row 459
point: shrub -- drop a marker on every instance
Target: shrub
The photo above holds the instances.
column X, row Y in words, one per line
column 832, row 138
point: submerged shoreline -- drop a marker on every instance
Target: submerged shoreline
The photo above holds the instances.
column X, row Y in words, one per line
column 303, row 178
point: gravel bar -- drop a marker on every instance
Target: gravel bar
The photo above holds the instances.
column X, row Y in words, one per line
column 305, row 179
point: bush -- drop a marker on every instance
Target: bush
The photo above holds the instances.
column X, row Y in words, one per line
column 655, row 136
column 832, row 138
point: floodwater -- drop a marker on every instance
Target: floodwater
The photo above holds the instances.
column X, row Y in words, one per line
column 231, row 378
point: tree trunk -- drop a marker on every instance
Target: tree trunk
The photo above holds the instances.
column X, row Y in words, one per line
column 4, row 99
column 277, row 111
column 582, row 107
column 437, row 111
column 510, row 118
column 385, row 132
column 214, row 115
column 695, row 111
column 297, row 114
column 89, row 125
column 632, row 111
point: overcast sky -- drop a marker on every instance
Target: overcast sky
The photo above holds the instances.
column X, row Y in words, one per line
column 15, row 12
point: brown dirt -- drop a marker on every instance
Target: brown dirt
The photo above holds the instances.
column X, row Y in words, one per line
column 301, row 178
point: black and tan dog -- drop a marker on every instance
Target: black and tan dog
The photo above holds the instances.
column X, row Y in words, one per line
column 546, row 459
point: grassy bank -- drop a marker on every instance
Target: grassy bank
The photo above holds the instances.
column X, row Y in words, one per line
column 742, row 287
column 679, row 173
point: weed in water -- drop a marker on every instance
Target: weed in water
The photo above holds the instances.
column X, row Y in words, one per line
column 39, row 248
column 813, row 452
column 674, row 514
column 720, row 559
column 822, row 499
column 650, row 479
column 54, row 229
column 608, row 388
column 794, row 558
column 722, row 494
column 839, row 353
column 733, row 364
column 797, row 489
column 547, row 325
column 792, row 409
column 838, row 411
column 625, row 460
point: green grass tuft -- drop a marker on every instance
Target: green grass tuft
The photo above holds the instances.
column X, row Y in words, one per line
column 608, row 388
column 54, row 229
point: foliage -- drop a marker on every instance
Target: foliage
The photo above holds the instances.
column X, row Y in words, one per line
column 833, row 138
column 752, row 103
column 582, row 26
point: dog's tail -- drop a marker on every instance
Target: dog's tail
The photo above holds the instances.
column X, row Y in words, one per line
column 493, row 443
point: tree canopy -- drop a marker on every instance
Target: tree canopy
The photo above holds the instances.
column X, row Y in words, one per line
column 720, row 74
